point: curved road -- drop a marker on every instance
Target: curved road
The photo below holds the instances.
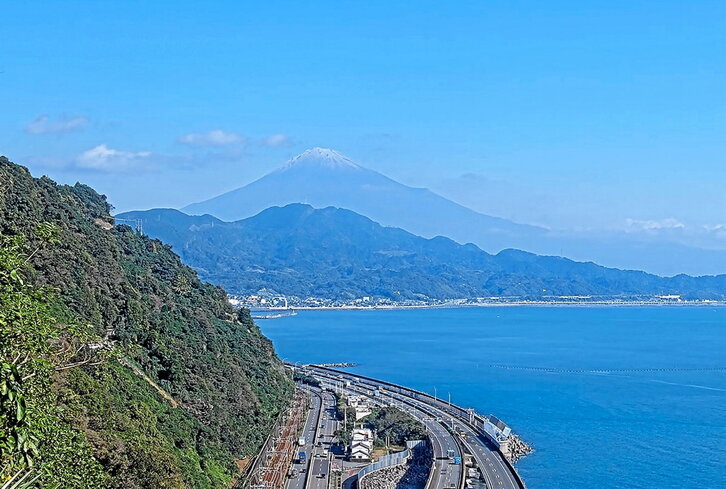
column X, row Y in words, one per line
column 495, row 470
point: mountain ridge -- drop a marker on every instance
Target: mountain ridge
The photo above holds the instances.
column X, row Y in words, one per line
column 337, row 253
column 316, row 181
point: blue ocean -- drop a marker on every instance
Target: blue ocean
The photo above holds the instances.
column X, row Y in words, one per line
column 609, row 397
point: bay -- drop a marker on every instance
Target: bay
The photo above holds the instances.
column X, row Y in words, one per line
column 625, row 397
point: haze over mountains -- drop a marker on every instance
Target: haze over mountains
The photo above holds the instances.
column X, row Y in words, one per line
column 323, row 177
column 300, row 251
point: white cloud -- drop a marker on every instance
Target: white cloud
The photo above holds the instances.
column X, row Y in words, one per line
column 654, row 225
column 103, row 158
column 43, row 125
column 216, row 137
column 276, row 141
column 718, row 231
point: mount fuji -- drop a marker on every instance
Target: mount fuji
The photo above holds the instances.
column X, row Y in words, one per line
column 324, row 177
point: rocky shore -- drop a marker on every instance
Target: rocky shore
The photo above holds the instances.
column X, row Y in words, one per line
column 411, row 475
column 517, row 448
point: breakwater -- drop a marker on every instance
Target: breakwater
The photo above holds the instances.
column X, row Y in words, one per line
column 335, row 365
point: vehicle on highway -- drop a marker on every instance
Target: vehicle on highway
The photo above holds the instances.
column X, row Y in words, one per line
column 301, row 458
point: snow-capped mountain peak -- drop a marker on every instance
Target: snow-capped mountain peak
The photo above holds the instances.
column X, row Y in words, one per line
column 321, row 157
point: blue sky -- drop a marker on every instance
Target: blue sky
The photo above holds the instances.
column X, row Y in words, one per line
column 563, row 113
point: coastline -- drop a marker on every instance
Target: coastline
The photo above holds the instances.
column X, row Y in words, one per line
column 493, row 305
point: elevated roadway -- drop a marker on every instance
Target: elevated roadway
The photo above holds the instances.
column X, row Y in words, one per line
column 473, row 432
column 445, row 473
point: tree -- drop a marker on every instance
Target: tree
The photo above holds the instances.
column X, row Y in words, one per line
column 37, row 448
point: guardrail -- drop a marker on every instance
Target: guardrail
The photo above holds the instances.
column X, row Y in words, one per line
column 480, row 422
column 461, row 413
column 391, row 460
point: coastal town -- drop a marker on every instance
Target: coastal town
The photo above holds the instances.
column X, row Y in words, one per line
column 282, row 305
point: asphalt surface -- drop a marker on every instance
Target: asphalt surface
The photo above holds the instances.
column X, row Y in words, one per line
column 299, row 471
column 489, row 460
column 446, row 474
column 319, row 429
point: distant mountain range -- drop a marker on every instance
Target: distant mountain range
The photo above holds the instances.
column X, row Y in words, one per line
column 323, row 177
column 336, row 253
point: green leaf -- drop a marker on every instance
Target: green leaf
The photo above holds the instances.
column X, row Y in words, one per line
column 20, row 412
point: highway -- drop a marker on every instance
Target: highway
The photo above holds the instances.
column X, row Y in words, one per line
column 320, row 426
column 446, row 474
column 489, row 460
column 496, row 471
column 299, row 471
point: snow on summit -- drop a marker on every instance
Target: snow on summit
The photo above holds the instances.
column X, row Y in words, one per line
column 321, row 157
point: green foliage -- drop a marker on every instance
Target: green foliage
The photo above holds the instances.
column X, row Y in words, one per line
column 35, row 442
column 337, row 254
column 388, row 423
column 195, row 385
column 306, row 379
column 394, row 425
column 346, row 414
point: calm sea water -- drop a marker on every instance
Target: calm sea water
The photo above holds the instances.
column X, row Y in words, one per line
column 626, row 428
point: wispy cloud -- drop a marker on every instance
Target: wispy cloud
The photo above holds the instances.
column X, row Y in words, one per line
column 216, row 137
column 654, row 225
column 276, row 141
column 44, row 125
column 716, row 230
column 105, row 159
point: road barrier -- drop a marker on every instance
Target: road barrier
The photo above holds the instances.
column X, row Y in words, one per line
column 483, row 425
column 391, row 460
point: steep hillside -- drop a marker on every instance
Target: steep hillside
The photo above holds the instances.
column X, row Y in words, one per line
column 336, row 253
column 172, row 384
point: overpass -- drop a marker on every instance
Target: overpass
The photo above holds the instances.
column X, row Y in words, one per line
column 462, row 430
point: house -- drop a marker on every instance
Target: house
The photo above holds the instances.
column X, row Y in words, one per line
column 361, row 445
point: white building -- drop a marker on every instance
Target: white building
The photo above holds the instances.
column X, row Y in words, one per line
column 361, row 405
column 361, row 446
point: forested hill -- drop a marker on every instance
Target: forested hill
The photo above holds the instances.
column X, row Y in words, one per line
column 336, row 253
column 120, row 368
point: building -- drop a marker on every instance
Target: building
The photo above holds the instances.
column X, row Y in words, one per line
column 361, row 405
column 361, row 445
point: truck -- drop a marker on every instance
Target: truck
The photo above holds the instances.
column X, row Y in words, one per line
column 457, row 460
column 301, row 441
column 301, row 458
column 450, row 454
